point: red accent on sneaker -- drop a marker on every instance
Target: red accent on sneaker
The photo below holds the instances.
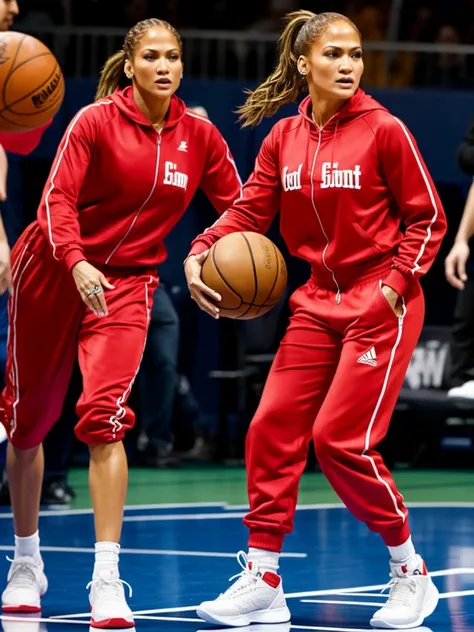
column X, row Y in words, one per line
column 272, row 579
column 424, row 570
column 249, row 565
column 404, row 569
column 21, row 608
column 107, row 624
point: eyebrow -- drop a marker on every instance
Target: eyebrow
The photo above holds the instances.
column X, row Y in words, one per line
column 156, row 50
column 339, row 48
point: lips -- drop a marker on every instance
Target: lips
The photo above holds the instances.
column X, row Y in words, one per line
column 163, row 82
column 345, row 81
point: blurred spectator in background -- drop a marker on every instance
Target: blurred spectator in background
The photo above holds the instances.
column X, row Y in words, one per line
column 443, row 69
column 460, row 273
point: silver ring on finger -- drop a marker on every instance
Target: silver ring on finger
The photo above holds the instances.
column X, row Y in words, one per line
column 95, row 289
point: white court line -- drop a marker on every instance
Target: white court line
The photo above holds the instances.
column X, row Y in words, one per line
column 42, row 620
column 364, row 594
column 356, row 589
column 326, row 629
column 73, row 549
column 155, row 506
column 227, row 507
column 344, row 603
column 449, row 595
column 137, row 613
column 458, row 593
column 197, row 516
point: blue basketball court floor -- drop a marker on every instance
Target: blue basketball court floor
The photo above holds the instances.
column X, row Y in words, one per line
column 177, row 555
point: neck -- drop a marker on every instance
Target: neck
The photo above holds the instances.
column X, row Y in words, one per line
column 154, row 110
column 324, row 109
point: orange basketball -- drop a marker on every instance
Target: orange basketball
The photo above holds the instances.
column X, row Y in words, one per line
column 31, row 83
column 249, row 273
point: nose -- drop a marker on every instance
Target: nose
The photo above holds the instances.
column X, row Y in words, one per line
column 162, row 66
column 14, row 8
column 346, row 66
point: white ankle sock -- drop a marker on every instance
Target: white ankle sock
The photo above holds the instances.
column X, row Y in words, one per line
column 402, row 553
column 28, row 547
column 266, row 560
column 106, row 558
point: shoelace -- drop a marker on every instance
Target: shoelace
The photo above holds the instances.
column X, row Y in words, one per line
column 245, row 579
column 401, row 589
column 22, row 572
column 110, row 587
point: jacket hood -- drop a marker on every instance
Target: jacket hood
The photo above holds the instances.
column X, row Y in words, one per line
column 358, row 105
column 126, row 104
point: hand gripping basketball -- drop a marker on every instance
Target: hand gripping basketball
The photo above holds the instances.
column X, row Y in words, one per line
column 199, row 291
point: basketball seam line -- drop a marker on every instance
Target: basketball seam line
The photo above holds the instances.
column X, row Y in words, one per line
column 8, row 107
column 254, row 275
column 277, row 259
column 223, row 278
column 10, row 72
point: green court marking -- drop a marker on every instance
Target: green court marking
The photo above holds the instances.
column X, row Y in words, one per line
column 228, row 484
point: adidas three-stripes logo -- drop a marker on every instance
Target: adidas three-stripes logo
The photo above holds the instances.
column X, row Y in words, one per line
column 369, row 357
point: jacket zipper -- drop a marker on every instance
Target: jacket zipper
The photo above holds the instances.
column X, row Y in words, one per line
column 338, row 289
column 134, row 221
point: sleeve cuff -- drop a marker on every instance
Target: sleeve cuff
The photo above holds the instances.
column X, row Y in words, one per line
column 197, row 248
column 72, row 257
column 398, row 282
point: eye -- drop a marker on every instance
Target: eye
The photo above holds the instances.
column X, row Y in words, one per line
column 331, row 55
column 149, row 57
column 174, row 57
column 358, row 55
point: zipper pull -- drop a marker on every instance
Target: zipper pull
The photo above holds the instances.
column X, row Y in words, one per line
column 338, row 297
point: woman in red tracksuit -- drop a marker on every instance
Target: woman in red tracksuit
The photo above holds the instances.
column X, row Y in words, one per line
column 83, row 281
column 358, row 204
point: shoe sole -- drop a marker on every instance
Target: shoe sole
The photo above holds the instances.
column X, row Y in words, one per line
column 432, row 598
column 116, row 624
column 277, row 615
column 13, row 609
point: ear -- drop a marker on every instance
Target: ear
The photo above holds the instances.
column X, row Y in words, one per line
column 128, row 69
column 302, row 65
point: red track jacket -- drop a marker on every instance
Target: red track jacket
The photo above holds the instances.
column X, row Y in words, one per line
column 117, row 186
column 351, row 195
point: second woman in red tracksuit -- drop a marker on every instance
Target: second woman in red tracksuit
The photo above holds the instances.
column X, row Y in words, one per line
column 356, row 201
column 83, row 281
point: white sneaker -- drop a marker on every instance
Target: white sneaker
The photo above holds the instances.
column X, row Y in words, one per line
column 27, row 583
column 256, row 597
column 413, row 597
column 109, row 608
column 465, row 391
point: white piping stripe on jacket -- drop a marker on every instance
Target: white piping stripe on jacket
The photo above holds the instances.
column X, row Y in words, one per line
column 374, row 417
column 416, row 265
column 121, row 410
column 53, row 175
column 14, row 373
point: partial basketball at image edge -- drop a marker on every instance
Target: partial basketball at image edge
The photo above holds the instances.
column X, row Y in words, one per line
column 248, row 271
column 31, row 83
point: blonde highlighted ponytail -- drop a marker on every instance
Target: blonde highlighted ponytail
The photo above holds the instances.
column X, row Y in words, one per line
column 111, row 74
column 285, row 83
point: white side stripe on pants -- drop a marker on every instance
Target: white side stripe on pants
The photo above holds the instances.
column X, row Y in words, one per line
column 374, row 416
column 121, row 411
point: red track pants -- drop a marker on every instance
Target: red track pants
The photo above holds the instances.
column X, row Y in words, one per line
column 50, row 326
column 336, row 378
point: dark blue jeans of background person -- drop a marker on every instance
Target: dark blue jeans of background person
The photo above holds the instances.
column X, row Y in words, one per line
column 158, row 378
